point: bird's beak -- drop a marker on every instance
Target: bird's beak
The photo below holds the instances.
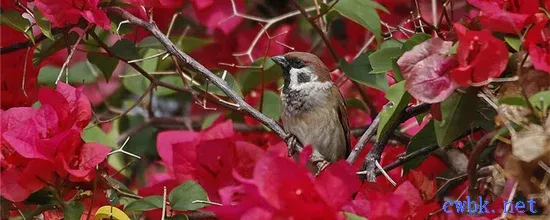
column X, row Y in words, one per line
column 281, row 61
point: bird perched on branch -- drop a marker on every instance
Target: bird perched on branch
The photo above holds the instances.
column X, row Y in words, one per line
column 313, row 109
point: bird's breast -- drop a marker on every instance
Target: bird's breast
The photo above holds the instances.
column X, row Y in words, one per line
column 319, row 127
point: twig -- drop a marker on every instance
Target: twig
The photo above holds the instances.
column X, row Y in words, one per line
column 163, row 203
column 481, row 145
column 121, row 150
column 149, row 57
column 157, row 82
column 363, row 140
column 26, row 44
column 70, row 56
column 317, row 28
column 448, row 185
column 268, row 24
column 384, row 173
column 196, row 66
column 510, row 197
column 376, row 152
column 125, row 112
column 404, row 159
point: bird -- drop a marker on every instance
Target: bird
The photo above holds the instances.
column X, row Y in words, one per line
column 313, row 110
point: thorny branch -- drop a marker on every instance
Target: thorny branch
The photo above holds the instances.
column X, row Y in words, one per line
column 157, row 82
column 196, row 66
column 480, row 146
column 268, row 23
column 369, row 166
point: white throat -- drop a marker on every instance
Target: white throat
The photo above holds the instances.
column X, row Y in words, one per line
column 305, row 91
column 311, row 84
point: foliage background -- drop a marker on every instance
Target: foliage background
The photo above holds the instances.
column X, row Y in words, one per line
column 105, row 136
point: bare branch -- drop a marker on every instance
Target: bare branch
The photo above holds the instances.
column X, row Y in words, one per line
column 196, row 66
column 375, row 153
column 70, row 56
column 268, row 23
column 363, row 140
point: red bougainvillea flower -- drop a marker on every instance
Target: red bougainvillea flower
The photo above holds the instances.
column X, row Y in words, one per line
column 508, row 16
column 208, row 157
column 156, row 3
column 537, row 42
column 218, row 14
column 283, row 189
column 15, row 67
column 65, row 12
column 426, row 68
column 39, row 143
column 480, row 56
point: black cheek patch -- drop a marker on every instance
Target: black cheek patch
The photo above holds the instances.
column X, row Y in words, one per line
column 303, row 78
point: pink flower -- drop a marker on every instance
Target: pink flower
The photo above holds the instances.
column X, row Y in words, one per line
column 508, row 16
column 66, row 12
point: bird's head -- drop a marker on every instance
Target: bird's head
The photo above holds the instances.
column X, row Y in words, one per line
column 302, row 71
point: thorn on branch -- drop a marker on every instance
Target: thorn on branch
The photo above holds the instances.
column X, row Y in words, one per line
column 121, row 150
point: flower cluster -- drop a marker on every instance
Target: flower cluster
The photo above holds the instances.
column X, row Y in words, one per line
column 433, row 71
column 42, row 146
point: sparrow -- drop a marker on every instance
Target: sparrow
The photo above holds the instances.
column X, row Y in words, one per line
column 312, row 108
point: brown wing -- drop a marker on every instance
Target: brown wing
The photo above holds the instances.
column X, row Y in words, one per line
column 343, row 118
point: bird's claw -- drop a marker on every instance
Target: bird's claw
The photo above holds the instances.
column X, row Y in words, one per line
column 291, row 145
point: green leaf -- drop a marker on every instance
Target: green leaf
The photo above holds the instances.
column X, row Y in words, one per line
column 208, row 120
column 136, row 84
column 49, row 47
column 150, row 42
column 94, row 134
column 513, row 41
column 73, row 210
column 415, row 40
column 16, row 20
column 356, row 103
column 541, row 100
column 398, row 95
column 173, row 80
column 390, row 43
column 358, row 71
column 44, row 25
column 458, row 112
column 252, row 78
column 453, row 49
column 115, row 183
column 189, row 44
column 330, row 15
column 351, row 216
column 381, row 60
column 145, row 204
column 182, row 197
column 104, row 63
column 112, row 197
column 79, row 73
column 364, row 13
column 397, row 75
column 185, row 44
column 125, row 49
column 271, row 105
column 513, row 101
column 229, row 79
column 423, row 138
